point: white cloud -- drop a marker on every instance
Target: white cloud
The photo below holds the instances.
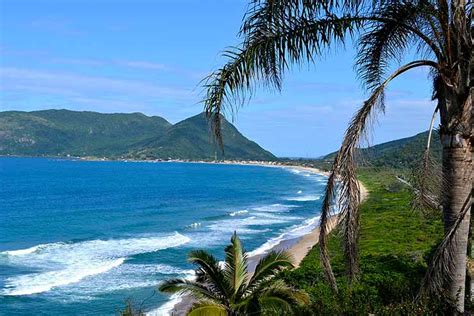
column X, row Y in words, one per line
column 144, row 65
column 15, row 78
column 57, row 25
column 122, row 63
column 79, row 61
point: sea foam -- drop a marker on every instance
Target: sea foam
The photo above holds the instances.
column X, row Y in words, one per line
column 277, row 207
column 167, row 308
column 42, row 282
column 126, row 276
column 241, row 212
column 305, row 198
column 244, row 225
column 20, row 252
column 294, row 231
column 60, row 264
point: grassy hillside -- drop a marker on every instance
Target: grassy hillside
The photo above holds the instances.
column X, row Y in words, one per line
column 395, row 243
column 400, row 153
column 64, row 132
column 192, row 138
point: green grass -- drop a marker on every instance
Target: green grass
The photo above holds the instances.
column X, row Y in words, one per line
column 395, row 243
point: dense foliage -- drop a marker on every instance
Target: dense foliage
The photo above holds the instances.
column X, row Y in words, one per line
column 135, row 135
column 395, row 246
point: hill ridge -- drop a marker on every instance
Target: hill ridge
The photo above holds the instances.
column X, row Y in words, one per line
column 399, row 153
column 61, row 132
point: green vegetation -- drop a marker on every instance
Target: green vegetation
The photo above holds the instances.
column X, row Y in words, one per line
column 135, row 135
column 232, row 289
column 395, row 242
column 400, row 154
column 63, row 132
column 191, row 139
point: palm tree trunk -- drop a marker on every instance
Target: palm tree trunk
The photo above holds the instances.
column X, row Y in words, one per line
column 457, row 172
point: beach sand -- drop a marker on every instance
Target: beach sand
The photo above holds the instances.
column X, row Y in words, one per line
column 297, row 247
column 304, row 244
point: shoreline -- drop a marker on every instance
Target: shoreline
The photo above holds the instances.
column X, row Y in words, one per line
column 259, row 163
column 297, row 247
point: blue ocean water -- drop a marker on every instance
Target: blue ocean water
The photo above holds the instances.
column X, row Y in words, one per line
column 82, row 237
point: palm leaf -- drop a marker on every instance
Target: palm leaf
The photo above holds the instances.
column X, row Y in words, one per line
column 265, row 55
column 235, row 265
column 280, row 297
column 428, row 179
column 390, row 34
column 441, row 268
column 196, row 289
column 207, row 309
column 210, row 272
column 343, row 188
column 269, row 266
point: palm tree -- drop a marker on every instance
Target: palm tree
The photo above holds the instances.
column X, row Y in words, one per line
column 230, row 289
column 279, row 33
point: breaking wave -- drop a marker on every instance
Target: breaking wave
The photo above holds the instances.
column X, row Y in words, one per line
column 60, row 264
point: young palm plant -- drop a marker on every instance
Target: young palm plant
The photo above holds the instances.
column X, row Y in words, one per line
column 232, row 290
column 279, row 33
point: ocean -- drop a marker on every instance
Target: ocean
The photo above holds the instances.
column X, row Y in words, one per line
column 83, row 237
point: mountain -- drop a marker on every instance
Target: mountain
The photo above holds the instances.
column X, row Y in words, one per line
column 400, row 153
column 134, row 135
column 62, row 132
column 192, row 138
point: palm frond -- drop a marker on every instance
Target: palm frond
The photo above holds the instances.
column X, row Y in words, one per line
column 441, row 268
column 427, row 183
column 279, row 297
column 279, row 33
column 261, row 12
column 236, row 265
column 427, row 179
column 275, row 305
column 264, row 57
column 232, row 296
column 207, row 308
column 388, row 37
column 326, row 214
column 194, row 288
column 343, row 188
column 269, row 266
column 209, row 272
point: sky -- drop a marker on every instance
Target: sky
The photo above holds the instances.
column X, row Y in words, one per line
column 149, row 56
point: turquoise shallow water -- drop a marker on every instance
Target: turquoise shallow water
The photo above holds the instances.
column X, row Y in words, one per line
column 80, row 238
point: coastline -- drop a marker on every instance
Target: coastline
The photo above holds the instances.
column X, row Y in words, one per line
column 297, row 247
column 260, row 163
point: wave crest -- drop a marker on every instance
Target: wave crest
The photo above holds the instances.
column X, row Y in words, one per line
column 66, row 263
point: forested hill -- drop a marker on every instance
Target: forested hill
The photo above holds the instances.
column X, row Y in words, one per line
column 134, row 135
column 404, row 153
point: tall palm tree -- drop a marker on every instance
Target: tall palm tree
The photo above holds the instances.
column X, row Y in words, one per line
column 230, row 289
column 279, row 33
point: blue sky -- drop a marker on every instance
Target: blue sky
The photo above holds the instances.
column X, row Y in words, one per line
column 149, row 56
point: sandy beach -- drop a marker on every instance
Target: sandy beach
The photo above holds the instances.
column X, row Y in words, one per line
column 304, row 244
column 297, row 247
